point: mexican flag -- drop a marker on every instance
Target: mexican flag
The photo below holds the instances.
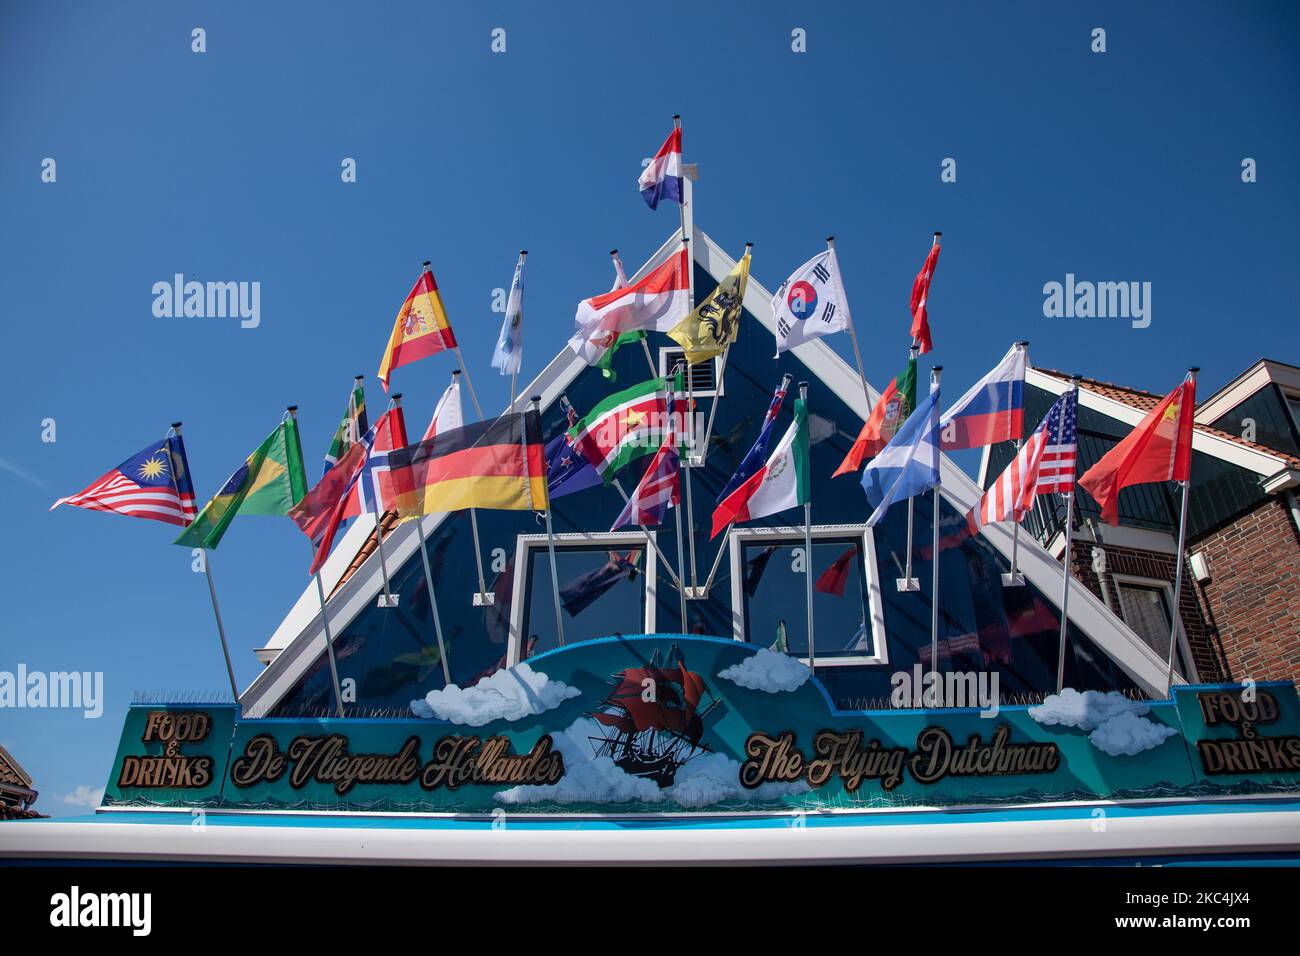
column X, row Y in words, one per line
column 269, row 482
column 624, row 427
column 783, row 482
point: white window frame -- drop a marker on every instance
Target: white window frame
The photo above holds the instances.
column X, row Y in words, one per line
column 1168, row 590
column 738, row 537
column 525, row 543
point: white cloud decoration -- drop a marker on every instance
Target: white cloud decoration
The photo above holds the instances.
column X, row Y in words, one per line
column 768, row 671
column 510, row 694
column 1115, row 724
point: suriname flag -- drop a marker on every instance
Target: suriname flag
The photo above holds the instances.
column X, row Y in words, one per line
column 625, row 426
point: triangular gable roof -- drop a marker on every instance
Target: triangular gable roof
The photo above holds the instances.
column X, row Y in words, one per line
column 299, row 640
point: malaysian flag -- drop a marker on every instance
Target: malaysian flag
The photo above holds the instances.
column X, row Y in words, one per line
column 659, row 488
column 154, row 483
column 1045, row 463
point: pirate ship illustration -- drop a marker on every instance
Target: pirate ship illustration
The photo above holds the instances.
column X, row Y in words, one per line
column 651, row 720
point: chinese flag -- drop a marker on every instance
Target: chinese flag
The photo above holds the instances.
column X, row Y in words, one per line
column 421, row 329
column 920, row 297
column 1158, row 449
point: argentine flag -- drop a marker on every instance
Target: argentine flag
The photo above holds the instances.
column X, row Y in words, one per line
column 909, row 464
column 509, row 352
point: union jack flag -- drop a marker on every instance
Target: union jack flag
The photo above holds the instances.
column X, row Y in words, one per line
column 1045, row 463
column 154, row 483
column 660, row 487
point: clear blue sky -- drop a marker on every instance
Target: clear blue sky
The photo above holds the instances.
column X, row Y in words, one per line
column 225, row 165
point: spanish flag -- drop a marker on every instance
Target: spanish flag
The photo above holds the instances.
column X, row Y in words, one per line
column 421, row 328
column 497, row 464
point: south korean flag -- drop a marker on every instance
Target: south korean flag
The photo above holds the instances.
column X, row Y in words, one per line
column 811, row 303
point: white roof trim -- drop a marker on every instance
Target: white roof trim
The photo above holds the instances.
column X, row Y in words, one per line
column 302, row 639
column 1252, row 459
column 1245, row 385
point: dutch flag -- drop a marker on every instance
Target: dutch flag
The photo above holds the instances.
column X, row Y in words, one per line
column 662, row 179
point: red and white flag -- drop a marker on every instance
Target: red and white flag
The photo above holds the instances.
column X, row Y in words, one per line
column 921, row 298
column 658, row 302
column 154, row 483
column 448, row 413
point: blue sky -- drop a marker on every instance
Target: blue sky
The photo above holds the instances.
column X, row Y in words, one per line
column 225, row 165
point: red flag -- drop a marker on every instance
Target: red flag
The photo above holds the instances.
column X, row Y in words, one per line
column 885, row 418
column 920, row 296
column 1158, row 449
column 320, row 511
column 834, row 578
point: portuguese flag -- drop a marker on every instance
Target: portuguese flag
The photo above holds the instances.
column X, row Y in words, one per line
column 896, row 403
column 624, row 427
column 269, row 482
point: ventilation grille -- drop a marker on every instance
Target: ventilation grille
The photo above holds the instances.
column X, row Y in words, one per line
column 703, row 376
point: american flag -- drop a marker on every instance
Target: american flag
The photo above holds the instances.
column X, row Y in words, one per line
column 1045, row 463
column 154, row 483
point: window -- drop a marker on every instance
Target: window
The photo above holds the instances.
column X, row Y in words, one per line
column 769, row 590
column 607, row 587
column 1145, row 607
column 703, row 376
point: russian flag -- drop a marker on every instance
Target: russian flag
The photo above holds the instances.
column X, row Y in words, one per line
column 662, row 179
column 992, row 410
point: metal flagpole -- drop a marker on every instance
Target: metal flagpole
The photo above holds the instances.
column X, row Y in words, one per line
column 461, row 359
column 934, row 556
column 535, row 404
column 483, row 597
column 329, row 644
column 681, row 591
column 212, row 588
column 907, row 582
column 808, row 555
column 1175, row 615
column 1065, row 581
column 1014, row 578
column 388, row 598
column 433, row 602
column 853, row 332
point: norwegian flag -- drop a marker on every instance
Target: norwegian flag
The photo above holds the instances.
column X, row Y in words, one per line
column 659, row 488
column 1045, row 463
column 366, row 494
column 154, row 483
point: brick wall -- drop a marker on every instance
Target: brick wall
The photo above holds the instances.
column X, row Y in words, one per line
column 1252, row 599
column 1209, row 660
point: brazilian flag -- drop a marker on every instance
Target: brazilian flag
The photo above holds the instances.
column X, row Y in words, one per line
column 270, row 482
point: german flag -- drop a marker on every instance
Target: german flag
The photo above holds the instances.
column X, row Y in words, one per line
column 421, row 328
column 497, row 464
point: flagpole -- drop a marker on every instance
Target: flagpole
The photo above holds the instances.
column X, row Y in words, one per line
column 658, row 553
column 535, row 404
column 934, row 555
column 388, row 598
column 681, row 591
column 1175, row 616
column 807, row 554
column 907, row 582
column 433, row 602
column 428, row 267
column 483, row 597
column 1015, row 579
column 853, row 332
column 1065, row 581
column 329, row 644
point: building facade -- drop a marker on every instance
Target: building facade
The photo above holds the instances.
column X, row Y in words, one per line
column 1240, row 602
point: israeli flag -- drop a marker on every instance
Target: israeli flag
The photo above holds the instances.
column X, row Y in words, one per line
column 909, row 464
column 509, row 352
